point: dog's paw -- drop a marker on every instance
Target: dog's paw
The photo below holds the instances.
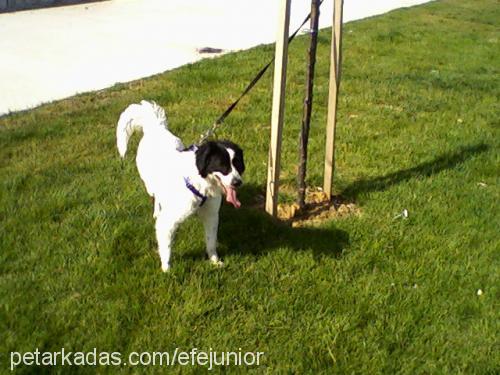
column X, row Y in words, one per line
column 216, row 261
column 165, row 267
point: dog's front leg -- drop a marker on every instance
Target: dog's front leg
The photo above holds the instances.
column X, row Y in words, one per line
column 209, row 215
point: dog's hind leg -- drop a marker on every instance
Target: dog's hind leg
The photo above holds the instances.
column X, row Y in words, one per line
column 209, row 215
column 165, row 230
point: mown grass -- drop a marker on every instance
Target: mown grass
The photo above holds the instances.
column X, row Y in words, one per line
column 418, row 129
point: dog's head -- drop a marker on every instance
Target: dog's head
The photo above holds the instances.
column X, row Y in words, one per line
column 222, row 161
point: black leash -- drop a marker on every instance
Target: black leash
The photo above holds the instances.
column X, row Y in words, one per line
column 257, row 78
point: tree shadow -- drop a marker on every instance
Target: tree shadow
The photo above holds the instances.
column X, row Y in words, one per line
column 427, row 169
column 251, row 231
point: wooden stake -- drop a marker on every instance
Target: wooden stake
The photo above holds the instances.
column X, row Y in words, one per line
column 308, row 100
column 280, row 62
column 334, row 85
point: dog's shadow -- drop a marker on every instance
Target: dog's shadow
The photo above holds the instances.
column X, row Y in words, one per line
column 251, row 231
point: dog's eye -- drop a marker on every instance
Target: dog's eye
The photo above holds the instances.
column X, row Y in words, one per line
column 223, row 168
column 225, row 172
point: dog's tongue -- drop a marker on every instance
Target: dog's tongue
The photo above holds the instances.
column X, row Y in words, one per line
column 231, row 197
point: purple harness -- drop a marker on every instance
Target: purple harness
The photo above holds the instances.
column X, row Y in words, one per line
column 190, row 186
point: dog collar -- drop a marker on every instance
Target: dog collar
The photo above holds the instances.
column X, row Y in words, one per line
column 195, row 191
column 191, row 148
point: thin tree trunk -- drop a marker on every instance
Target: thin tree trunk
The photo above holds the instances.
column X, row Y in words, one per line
column 306, row 119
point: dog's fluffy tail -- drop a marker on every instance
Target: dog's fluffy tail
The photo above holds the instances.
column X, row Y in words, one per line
column 146, row 116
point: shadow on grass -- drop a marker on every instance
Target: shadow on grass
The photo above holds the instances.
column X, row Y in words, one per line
column 251, row 231
column 439, row 164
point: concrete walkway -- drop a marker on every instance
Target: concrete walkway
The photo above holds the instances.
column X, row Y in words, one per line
column 50, row 54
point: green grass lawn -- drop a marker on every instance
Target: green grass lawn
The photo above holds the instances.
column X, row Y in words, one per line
column 418, row 130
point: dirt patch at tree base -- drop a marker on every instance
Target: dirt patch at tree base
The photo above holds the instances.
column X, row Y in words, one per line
column 318, row 209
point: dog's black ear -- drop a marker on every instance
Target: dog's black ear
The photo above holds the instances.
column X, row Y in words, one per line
column 203, row 157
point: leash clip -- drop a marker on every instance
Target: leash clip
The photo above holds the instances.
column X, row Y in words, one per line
column 209, row 133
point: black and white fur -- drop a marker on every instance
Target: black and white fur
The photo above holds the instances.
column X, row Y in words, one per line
column 213, row 169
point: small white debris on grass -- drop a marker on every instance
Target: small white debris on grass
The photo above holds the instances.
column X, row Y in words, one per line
column 403, row 213
column 482, row 184
column 460, row 120
column 479, row 292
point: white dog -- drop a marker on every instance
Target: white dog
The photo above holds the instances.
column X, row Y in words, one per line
column 181, row 181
